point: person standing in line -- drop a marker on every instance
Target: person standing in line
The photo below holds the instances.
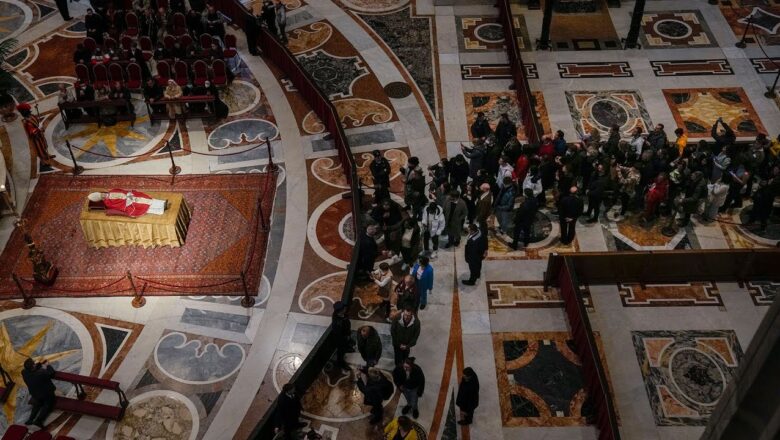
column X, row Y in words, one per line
column 455, row 212
column 369, row 345
column 468, row 396
column 476, row 251
column 383, row 278
column 380, row 169
column 376, row 389
column 410, row 379
column 433, row 224
column 525, row 215
column 404, row 332
column 422, row 272
column 570, row 207
column 281, row 20
column 288, row 412
column 505, row 203
column 269, row 16
column 37, row 376
column 400, row 428
column 410, row 242
column 484, row 207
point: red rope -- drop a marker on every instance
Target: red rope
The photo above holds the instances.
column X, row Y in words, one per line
column 224, row 154
column 133, row 156
column 221, row 283
column 109, row 156
column 183, row 292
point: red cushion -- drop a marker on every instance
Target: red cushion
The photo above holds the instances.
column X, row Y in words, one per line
column 87, row 380
column 220, row 79
column 229, row 53
column 39, row 435
column 88, row 408
column 15, row 432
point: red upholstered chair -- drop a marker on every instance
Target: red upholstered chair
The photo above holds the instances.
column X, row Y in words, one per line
column 39, row 435
column 101, row 75
column 230, row 46
column 126, row 43
column 162, row 4
column 179, row 24
column 169, row 41
column 205, row 42
column 116, row 73
column 163, row 73
column 131, row 24
column 62, row 437
column 90, row 43
column 181, row 73
column 109, row 44
column 146, row 47
column 82, row 73
column 220, row 73
column 15, row 432
column 201, row 72
column 134, row 76
column 185, row 41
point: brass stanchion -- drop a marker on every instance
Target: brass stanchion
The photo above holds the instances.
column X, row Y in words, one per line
column 174, row 169
column 139, row 300
column 247, row 301
column 27, row 301
column 77, row 169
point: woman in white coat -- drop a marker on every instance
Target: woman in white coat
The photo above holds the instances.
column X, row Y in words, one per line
column 433, row 226
column 717, row 192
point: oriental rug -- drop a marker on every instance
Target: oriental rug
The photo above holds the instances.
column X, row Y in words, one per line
column 226, row 237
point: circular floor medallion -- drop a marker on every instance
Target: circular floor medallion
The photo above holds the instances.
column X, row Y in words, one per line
column 673, row 29
column 490, row 32
column 698, row 377
column 398, row 90
column 608, row 113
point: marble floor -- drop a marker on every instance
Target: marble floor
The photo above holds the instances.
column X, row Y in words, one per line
column 406, row 77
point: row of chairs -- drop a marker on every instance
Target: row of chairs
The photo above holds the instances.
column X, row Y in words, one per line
column 146, row 46
column 132, row 76
column 133, row 24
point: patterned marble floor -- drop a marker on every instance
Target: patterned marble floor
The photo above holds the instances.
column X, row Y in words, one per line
column 407, row 78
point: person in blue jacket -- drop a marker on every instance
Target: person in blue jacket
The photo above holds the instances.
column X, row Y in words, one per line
column 422, row 272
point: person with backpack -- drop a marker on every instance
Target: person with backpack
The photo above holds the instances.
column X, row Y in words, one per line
column 376, row 388
column 404, row 332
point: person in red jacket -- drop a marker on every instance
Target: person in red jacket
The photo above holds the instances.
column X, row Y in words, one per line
column 655, row 195
column 547, row 149
column 521, row 168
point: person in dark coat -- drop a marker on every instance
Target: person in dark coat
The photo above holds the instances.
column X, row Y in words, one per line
column 459, row 172
column 342, row 329
column 524, row 218
column 369, row 345
column 268, row 13
column 476, row 156
column 505, row 131
column 252, row 31
column 763, row 200
column 367, row 253
column 476, row 251
column 480, row 129
column 570, row 208
column 380, row 169
column 410, row 379
column 62, row 5
column 468, row 396
column 695, row 192
column 152, row 93
column 288, row 411
column 376, row 389
column 596, row 188
column 37, row 376
column 404, row 332
column 94, row 25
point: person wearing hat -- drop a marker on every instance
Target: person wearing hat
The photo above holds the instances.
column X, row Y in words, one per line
column 32, row 126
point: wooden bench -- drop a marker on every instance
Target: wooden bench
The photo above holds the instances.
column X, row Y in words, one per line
column 96, row 117
column 8, row 385
column 188, row 112
column 80, row 406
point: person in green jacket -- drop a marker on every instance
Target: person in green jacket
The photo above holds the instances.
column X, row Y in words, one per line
column 404, row 331
column 369, row 345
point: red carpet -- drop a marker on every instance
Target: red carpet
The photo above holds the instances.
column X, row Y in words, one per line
column 225, row 237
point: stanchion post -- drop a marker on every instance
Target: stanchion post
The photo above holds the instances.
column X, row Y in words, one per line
column 139, row 300
column 247, row 301
column 77, row 169
column 770, row 92
column 28, row 302
column 174, row 169
column 272, row 167
column 263, row 220
column 741, row 43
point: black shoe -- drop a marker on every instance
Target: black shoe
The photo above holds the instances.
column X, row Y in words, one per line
column 464, row 422
column 468, row 282
column 592, row 220
column 406, row 410
column 38, row 423
column 422, row 306
column 415, row 413
column 28, row 422
column 374, row 420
